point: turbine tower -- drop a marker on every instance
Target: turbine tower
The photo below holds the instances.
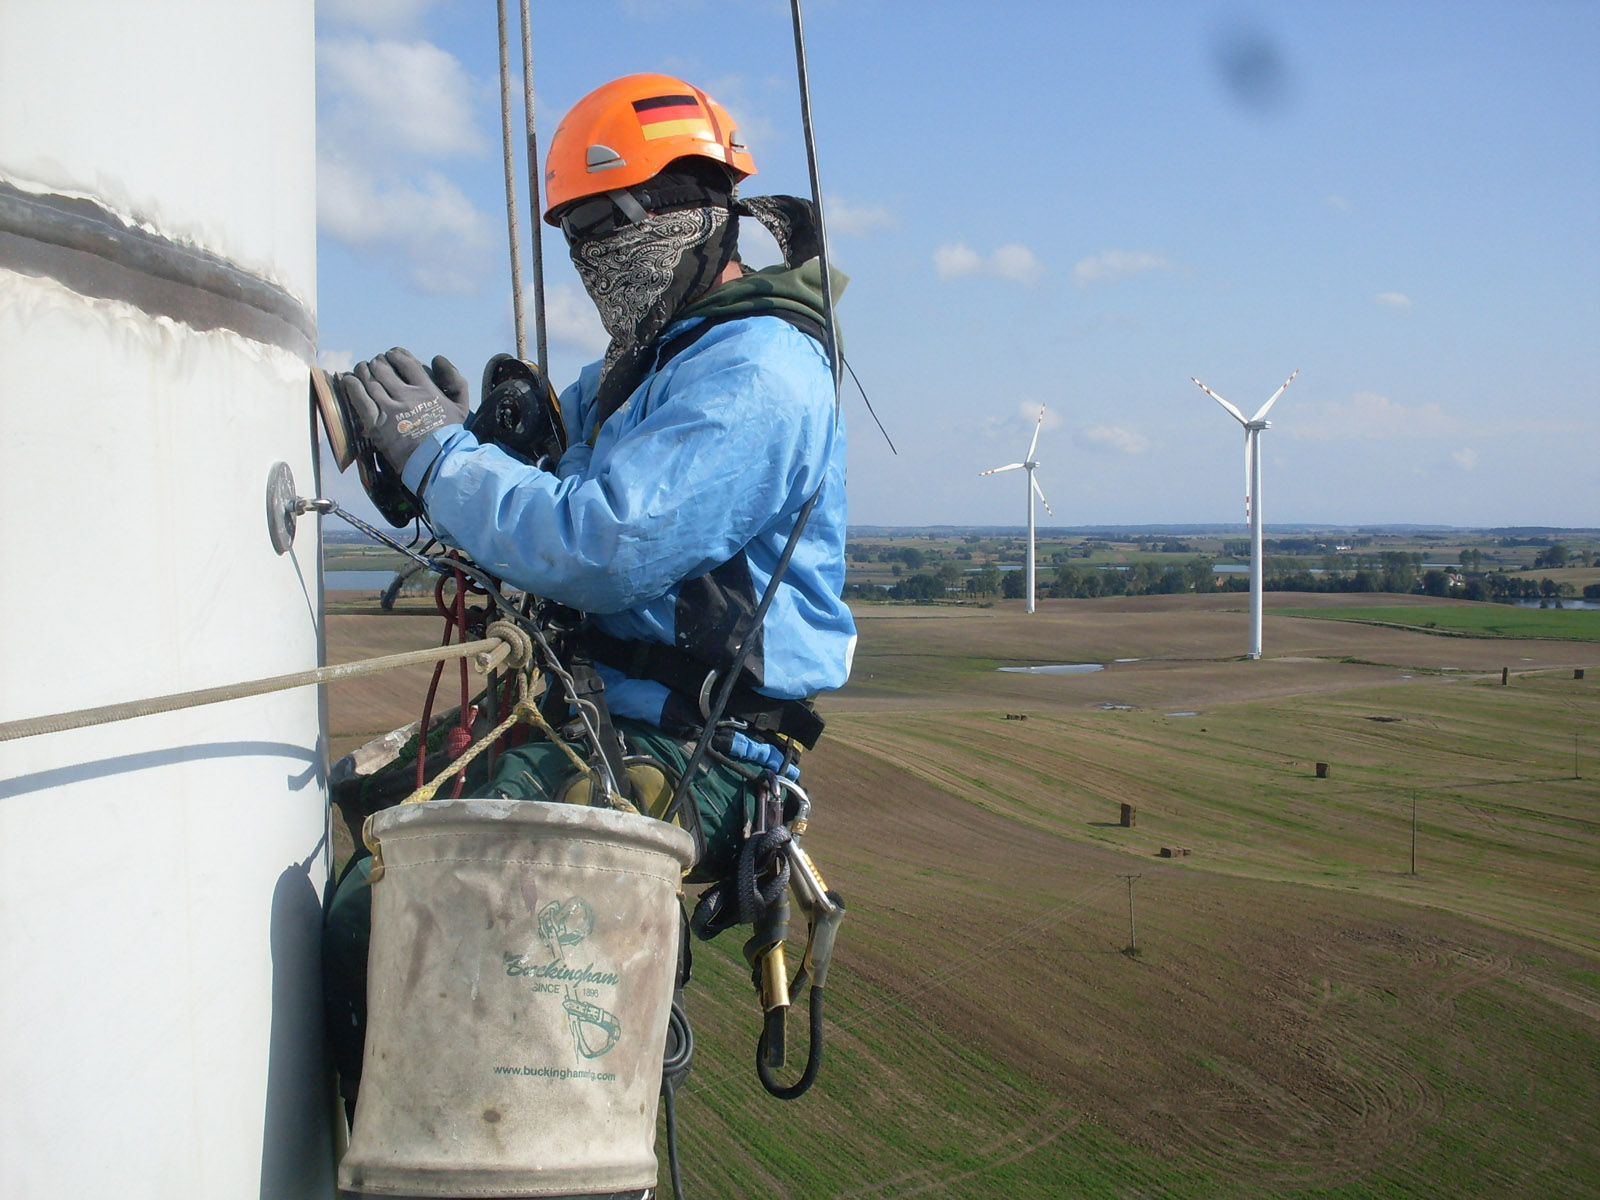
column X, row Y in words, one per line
column 1252, row 495
column 1028, row 464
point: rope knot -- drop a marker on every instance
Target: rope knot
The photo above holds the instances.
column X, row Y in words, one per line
column 519, row 645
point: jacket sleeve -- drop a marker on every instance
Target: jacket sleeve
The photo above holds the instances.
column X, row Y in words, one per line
column 728, row 440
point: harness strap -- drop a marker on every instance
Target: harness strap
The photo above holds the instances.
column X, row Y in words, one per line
column 677, row 344
column 694, row 683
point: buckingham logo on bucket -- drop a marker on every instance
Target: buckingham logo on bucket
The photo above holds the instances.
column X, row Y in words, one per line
column 564, row 926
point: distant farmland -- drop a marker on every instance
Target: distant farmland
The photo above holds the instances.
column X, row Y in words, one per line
column 1473, row 620
column 1306, row 1018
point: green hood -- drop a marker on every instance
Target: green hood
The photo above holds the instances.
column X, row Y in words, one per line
column 772, row 289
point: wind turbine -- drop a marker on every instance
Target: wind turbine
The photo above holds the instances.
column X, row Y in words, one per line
column 1252, row 495
column 1028, row 464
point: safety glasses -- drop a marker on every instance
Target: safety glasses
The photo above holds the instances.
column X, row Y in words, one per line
column 599, row 216
column 590, row 219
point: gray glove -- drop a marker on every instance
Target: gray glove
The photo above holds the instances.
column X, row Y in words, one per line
column 399, row 401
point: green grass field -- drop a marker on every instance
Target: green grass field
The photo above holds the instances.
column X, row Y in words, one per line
column 1307, row 1018
column 1472, row 620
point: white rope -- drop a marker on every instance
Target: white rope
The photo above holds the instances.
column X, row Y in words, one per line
column 105, row 714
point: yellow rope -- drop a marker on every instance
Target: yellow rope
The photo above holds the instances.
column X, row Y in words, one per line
column 524, row 710
column 426, row 791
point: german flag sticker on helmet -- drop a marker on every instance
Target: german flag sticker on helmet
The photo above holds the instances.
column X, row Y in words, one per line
column 673, row 116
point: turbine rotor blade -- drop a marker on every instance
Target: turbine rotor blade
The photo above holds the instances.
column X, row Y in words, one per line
column 1237, row 415
column 1038, row 425
column 1249, row 500
column 1007, row 467
column 1274, row 397
column 1038, row 491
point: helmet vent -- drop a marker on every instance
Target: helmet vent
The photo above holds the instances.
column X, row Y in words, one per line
column 603, row 158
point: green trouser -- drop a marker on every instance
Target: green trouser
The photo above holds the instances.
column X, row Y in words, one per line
column 539, row 770
column 535, row 771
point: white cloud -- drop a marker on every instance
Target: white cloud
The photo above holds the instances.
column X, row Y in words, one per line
column 337, row 361
column 1466, row 459
column 954, row 261
column 569, row 317
column 1118, row 264
column 382, row 97
column 1367, row 415
column 1012, row 261
column 437, row 236
column 1398, row 301
column 1338, row 202
column 857, row 220
column 1113, row 438
column 388, row 112
column 1016, row 262
column 375, row 16
column 1030, row 410
column 1008, row 429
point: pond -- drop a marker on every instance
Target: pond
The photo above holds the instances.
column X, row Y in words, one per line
column 1057, row 669
column 1558, row 604
column 356, row 581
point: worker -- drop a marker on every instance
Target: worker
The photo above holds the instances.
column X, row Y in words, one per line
column 692, row 446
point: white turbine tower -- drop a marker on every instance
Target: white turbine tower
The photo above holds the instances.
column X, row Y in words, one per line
column 1028, row 464
column 1252, row 495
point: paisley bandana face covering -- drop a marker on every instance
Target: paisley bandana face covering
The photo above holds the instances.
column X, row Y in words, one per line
column 642, row 269
column 640, row 275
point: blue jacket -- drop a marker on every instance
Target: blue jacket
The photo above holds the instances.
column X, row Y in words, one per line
column 695, row 480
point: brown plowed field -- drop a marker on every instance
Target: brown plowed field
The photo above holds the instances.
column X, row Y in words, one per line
column 1305, row 1017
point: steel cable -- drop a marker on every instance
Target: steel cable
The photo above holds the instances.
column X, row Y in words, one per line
column 512, row 226
column 536, row 232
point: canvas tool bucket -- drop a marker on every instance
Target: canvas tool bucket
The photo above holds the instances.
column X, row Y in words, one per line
column 519, row 982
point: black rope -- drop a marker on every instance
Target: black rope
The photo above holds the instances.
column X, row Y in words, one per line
column 813, row 1057
column 835, row 362
column 755, row 859
column 676, row 1060
column 668, row 1093
column 333, row 508
column 689, row 814
column 870, row 409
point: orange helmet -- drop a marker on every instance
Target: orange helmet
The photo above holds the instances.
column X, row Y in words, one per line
column 626, row 131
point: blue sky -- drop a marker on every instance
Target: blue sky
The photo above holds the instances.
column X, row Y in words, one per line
column 1070, row 205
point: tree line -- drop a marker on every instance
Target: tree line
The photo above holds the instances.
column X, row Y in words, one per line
column 1391, row 571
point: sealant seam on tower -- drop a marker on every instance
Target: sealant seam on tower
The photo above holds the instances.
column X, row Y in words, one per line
column 96, row 253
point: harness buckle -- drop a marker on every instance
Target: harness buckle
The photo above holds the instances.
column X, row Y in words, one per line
column 703, row 700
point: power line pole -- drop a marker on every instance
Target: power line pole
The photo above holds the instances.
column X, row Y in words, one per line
column 1413, row 831
column 1133, row 944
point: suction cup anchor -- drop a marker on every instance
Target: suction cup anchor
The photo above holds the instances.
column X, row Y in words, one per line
column 284, row 507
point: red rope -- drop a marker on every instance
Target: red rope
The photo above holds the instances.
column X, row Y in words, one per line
column 461, row 736
column 433, row 686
